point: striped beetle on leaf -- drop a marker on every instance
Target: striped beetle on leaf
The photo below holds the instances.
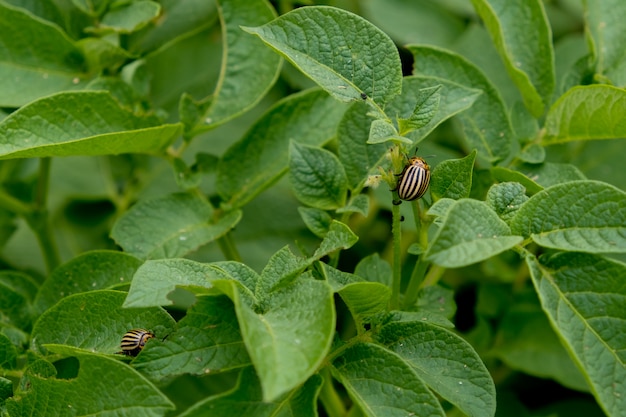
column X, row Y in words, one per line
column 413, row 180
column 134, row 341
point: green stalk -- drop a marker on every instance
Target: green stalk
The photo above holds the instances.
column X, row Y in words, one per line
column 415, row 284
column 39, row 219
column 397, row 258
column 228, row 247
column 328, row 396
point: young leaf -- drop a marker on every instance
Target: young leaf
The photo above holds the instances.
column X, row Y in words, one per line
column 357, row 156
column 89, row 271
column 452, row 99
column 446, row 363
column 154, row 280
column 525, row 47
column 170, row 226
column 414, row 109
column 342, row 52
column 95, row 321
column 81, row 123
column 587, row 113
column 502, row 174
column 246, row 399
column 583, row 296
column 206, row 340
column 486, row 123
column 603, row 24
column 453, row 178
column 358, row 204
column 98, row 377
column 128, row 17
column 317, row 220
column 471, row 232
column 586, row 216
column 383, row 131
column 242, row 82
column 382, row 384
column 506, row 198
column 54, row 65
column 255, row 162
column 290, row 338
column 317, row 177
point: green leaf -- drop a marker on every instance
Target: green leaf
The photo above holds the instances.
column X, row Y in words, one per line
column 357, row 156
column 290, row 338
column 470, row 233
column 154, row 280
column 170, row 226
column 243, row 82
column 486, row 123
column 383, row 131
column 586, row 216
column 583, row 296
column 453, row 178
column 374, row 269
column 603, row 24
column 89, row 271
column 414, row 109
column 339, row 236
column 98, row 377
column 509, row 175
column 587, row 113
column 17, row 291
column 129, row 17
column 95, row 321
column 551, row 173
column 8, row 355
column 177, row 21
column 316, row 220
column 81, row 123
column 506, row 198
column 247, row 400
column 206, row 340
column 342, row 52
column 255, row 162
column 365, row 300
column 283, row 267
column 453, row 99
column 526, row 342
column 371, row 373
column 317, row 177
column 358, row 204
column 27, row 72
column 522, row 36
column 446, row 363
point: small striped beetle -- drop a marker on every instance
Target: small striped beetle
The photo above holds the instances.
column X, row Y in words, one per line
column 413, row 180
column 134, row 341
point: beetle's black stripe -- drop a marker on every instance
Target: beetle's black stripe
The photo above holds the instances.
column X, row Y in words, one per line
column 414, row 180
column 135, row 339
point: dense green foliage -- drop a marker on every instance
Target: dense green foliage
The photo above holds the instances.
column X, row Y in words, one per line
column 219, row 174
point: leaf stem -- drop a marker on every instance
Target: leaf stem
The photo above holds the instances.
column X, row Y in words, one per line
column 330, row 398
column 397, row 268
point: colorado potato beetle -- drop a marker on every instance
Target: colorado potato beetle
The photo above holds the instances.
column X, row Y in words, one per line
column 413, row 180
column 134, row 341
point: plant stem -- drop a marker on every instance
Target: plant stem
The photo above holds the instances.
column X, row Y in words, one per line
column 330, row 399
column 397, row 268
column 415, row 284
column 39, row 219
column 228, row 248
